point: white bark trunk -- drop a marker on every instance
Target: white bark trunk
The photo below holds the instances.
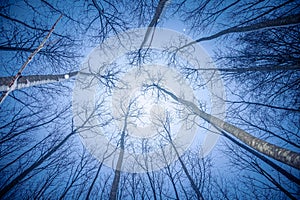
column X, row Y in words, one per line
column 278, row 153
column 33, row 80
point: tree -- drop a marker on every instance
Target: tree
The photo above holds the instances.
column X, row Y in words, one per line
column 286, row 156
column 255, row 45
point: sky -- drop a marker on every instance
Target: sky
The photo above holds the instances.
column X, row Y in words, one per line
column 37, row 110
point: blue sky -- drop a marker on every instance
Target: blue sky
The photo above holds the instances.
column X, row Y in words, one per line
column 68, row 48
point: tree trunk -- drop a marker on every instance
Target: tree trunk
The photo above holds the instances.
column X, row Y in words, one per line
column 12, row 84
column 265, row 159
column 116, row 181
column 186, row 171
column 33, row 80
column 273, row 23
column 278, row 153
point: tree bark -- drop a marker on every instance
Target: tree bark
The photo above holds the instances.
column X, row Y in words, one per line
column 273, row 23
column 263, row 158
column 116, row 181
column 34, row 80
column 13, row 82
column 278, row 153
column 154, row 20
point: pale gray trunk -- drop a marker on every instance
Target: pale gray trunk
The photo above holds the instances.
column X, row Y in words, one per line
column 115, row 185
column 278, row 153
column 12, row 84
column 288, row 175
column 33, row 80
column 273, row 23
column 153, row 23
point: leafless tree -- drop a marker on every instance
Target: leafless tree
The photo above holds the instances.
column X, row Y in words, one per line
column 256, row 45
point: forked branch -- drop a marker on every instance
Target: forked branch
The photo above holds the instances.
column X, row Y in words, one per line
column 13, row 83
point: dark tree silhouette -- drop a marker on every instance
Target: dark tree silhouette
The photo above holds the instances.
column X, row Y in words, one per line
column 255, row 46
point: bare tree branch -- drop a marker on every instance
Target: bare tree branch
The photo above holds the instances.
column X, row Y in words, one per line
column 13, row 82
column 273, row 23
column 278, row 153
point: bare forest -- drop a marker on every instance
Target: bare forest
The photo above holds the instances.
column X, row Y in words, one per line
column 149, row 99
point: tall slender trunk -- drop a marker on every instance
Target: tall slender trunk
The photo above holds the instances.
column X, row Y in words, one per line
column 116, row 181
column 159, row 9
column 192, row 182
column 273, row 23
column 12, row 84
column 278, row 153
column 186, row 171
column 172, row 181
column 288, row 175
column 34, row 80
